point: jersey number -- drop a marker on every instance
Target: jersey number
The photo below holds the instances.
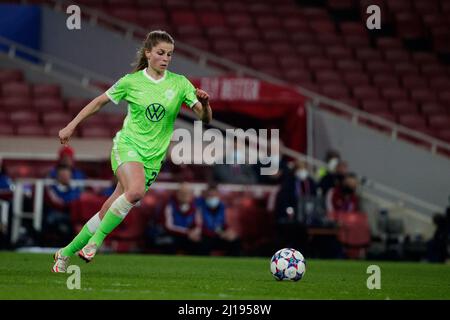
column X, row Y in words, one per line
column 152, row 179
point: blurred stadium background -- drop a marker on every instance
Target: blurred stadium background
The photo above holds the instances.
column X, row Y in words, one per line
column 379, row 98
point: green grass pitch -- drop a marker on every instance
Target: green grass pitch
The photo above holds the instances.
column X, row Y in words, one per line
column 115, row 276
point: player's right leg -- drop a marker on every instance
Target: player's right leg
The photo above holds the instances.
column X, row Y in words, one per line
column 61, row 257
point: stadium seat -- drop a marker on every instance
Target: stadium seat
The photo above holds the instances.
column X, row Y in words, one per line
column 413, row 121
column 16, row 103
column 95, row 132
column 24, row 117
column 378, row 105
column 401, row 106
column 10, row 75
column 365, row 92
column 46, row 105
column 7, row 129
column 30, row 130
column 439, row 121
column 16, row 89
column 56, row 118
column 46, row 91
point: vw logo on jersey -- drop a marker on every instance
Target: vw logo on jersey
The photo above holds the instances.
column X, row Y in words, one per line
column 155, row 112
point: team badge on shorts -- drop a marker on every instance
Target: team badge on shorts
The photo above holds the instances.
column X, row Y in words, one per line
column 132, row 153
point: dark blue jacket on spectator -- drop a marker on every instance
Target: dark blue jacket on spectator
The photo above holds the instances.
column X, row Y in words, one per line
column 213, row 220
column 5, row 183
column 178, row 222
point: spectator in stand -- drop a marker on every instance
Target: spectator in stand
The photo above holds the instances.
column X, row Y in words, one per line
column 182, row 221
column 58, row 197
column 297, row 189
column 332, row 158
column 333, row 178
column 343, row 197
column 6, row 189
column 6, row 184
column 297, row 186
column 67, row 158
column 216, row 234
column 235, row 168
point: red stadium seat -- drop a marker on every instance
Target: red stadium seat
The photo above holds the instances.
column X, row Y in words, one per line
column 316, row 63
column 48, row 105
column 423, row 95
column 396, row 55
column 335, row 91
column 189, row 31
column 394, row 93
column 46, row 91
column 16, row 103
column 219, row 32
column 356, row 78
column 385, row 80
column 378, row 105
column 413, row 82
column 95, row 132
column 55, row 118
column 75, row 105
column 10, row 75
column 430, row 108
column 413, row 121
column 308, row 50
column 198, row 42
column 403, row 106
column 151, row 16
column 30, row 130
column 328, row 77
column 268, row 22
column 293, row 24
column 212, row 19
column 225, row 45
column 16, row 89
column 349, row 65
column 246, row 33
column 339, row 52
column 184, row 18
column 24, row 117
column 388, row 43
column 368, row 54
column 364, row 92
column 439, row 122
column 7, row 129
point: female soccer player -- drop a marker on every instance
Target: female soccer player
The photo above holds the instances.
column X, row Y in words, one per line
column 154, row 97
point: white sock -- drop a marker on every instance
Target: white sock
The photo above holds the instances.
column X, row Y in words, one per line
column 121, row 206
column 93, row 223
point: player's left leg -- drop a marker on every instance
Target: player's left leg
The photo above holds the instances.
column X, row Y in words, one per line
column 132, row 177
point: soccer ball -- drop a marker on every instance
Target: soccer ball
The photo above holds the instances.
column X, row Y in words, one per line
column 288, row 264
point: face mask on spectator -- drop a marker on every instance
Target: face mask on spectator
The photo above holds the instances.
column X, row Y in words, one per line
column 302, row 174
column 212, row 202
column 184, row 207
column 332, row 164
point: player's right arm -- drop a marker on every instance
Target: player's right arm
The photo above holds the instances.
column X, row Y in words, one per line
column 116, row 93
column 92, row 107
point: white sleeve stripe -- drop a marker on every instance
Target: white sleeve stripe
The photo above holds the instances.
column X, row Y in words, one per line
column 110, row 98
column 193, row 103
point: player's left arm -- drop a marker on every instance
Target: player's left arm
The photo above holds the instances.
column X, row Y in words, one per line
column 202, row 108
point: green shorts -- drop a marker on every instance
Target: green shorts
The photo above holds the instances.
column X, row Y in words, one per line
column 121, row 153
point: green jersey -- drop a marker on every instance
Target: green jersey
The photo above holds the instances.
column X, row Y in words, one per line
column 153, row 106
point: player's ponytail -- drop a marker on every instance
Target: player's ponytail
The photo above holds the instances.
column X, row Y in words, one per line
column 152, row 39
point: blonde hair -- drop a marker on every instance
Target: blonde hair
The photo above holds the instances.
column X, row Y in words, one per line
column 151, row 40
